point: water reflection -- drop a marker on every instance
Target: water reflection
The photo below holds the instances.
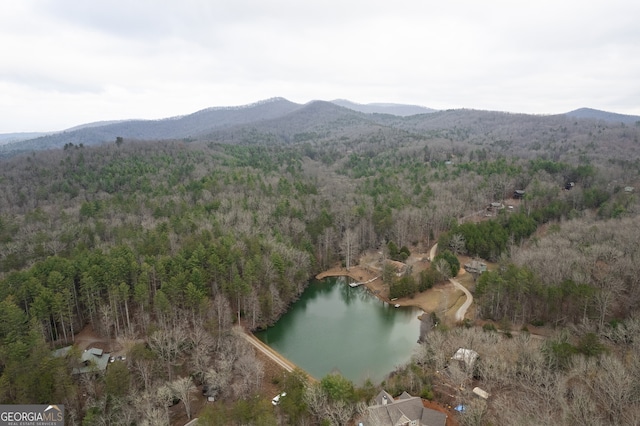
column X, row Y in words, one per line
column 335, row 326
column 346, row 291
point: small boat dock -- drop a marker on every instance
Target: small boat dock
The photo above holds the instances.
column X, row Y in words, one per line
column 356, row 284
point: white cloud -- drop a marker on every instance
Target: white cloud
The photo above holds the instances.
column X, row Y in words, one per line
column 66, row 62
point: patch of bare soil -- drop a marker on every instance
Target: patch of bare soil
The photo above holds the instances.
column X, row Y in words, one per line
column 177, row 413
column 88, row 338
column 451, row 418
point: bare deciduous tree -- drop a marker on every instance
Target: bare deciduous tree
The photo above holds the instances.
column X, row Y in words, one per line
column 401, row 228
column 336, row 412
column 166, row 343
column 222, row 312
column 251, row 369
column 144, row 368
column 252, row 304
column 349, row 246
column 202, row 346
column 149, row 412
column 442, row 266
column 165, row 397
column 183, row 389
column 457, row 243
column 218, row 379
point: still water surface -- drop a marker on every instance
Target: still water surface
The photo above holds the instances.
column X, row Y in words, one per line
column 335, row 327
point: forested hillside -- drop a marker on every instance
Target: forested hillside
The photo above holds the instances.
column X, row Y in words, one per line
column 170, row 242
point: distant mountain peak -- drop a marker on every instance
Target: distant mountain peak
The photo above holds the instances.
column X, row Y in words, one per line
column 597, row 114
column 248, row 106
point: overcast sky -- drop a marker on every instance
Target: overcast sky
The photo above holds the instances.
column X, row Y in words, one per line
column 68, row 62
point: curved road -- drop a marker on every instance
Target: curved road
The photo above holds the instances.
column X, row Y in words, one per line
column 462, row 310
column 433, row 251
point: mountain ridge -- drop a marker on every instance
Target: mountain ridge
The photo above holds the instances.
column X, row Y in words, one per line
column 179, row 127
column 401, row 110
column 597, row 114
column 278, row 119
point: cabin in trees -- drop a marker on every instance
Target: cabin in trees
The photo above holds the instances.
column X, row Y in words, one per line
column 518, row 193
column 92, row 360
column 467, row 357
column 475, row 267
column 404, row 410
column 494, row 208
column 400, row 267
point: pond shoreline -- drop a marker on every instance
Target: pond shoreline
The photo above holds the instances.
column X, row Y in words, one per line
column 429, row 301
column 337, row 316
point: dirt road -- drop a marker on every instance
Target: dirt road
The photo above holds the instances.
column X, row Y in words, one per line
column 462, row 310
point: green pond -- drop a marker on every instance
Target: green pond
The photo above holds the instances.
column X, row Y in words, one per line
column 334, row 327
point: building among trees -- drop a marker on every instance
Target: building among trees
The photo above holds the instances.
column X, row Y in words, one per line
column 91, row 360
column 467, row 357
column 400, row 268
column 475, row 267
column 405, row 410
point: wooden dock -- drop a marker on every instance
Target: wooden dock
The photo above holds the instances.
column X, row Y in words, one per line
column 357, row 273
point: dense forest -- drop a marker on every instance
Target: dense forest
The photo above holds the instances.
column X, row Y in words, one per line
column 165, row 245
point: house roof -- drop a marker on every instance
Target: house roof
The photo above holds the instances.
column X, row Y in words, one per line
column 433, row 417
column 380, row 398
column 95, row 351
column 468, row 356
column 400, row 266
column 475, row 266
column 93, row 359
column 405, row 395
column 402, row 410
